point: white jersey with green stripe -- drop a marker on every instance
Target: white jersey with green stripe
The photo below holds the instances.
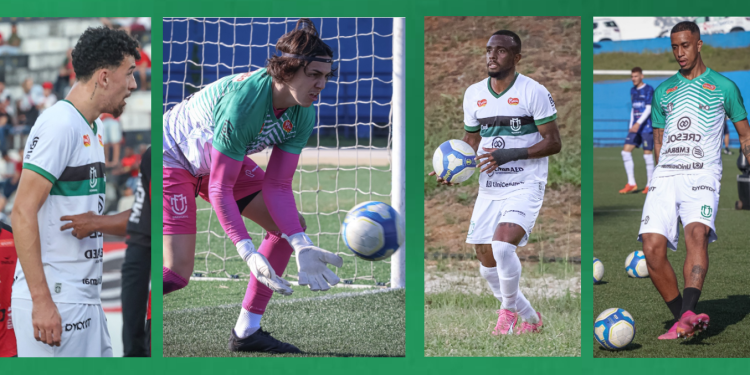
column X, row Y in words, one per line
column 692, row 112
column 509, row 120
column 235, row 115
column 63, row 148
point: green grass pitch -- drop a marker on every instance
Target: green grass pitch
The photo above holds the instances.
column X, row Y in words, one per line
column 725, row 297
column 197, row 319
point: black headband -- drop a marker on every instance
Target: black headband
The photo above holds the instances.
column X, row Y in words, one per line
column 307, row 58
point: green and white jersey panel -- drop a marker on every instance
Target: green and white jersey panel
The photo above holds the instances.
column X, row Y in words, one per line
column 692, row 112
column 235, row 115
column 63, row 148
column 509, row 120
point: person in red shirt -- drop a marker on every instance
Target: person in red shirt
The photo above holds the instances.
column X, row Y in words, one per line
column 8, row 260
column 143, row 71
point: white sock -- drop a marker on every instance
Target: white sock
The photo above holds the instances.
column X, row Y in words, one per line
column 649, row 158
column 508, row 271
column 522, row 304
column 627, row 159
column 247, row 323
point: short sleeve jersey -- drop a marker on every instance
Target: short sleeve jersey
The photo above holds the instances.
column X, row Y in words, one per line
column 509, row 120
column 235, row 115
column 8, row 260
column 640, row 98
column 139, row 221
column 63, row 148
column 691, row 112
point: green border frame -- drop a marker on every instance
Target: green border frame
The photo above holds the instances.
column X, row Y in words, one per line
column 414, row 11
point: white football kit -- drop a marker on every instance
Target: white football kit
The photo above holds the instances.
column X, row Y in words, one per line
column 514, row 191
column 686, row 184
column 63, row 148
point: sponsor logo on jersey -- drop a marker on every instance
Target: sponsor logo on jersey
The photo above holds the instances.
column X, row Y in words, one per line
column 704, row 107
column 92, row 177
column 249, row 172
column 697, row 165
column 515, row 124
column 513, row 101
column 503, row 184
column 703, row 187
column 681, row 166
column 242, row 77
column 226, row 131
column 482, row 103
column 86, row 140
column 58, row 287
column 698, row 152
column 79, row 326
column 683, row 123
column 551, row 102
column 706, row 211
column 94, row 254
column 684, row 137
column 514, row 212
column 100, row 140
column 287, row 126
column 652, row 188
column 471, row 228
column 179, row 204
column 709, row 86
column 645, row 221
column 498, row 142
column 93, row 282
column 31, row 147
column 676, row 150
column 673, row 89
column 7, row 243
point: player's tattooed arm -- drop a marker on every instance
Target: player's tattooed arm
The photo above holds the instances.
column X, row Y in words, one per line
column 743, row 130
column 549, row 145
column 658, row 133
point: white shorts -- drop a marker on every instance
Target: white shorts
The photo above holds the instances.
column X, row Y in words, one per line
column 687, row 198
column 521, row 208
column 84, row 331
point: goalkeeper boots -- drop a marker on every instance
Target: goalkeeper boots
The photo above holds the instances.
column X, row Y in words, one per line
column 260, row 341
column 691, row 323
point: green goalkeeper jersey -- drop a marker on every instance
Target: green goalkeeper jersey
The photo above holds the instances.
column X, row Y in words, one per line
column 692, row 112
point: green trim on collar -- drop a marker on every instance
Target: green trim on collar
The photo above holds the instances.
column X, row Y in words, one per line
column 91, row 125
column 496, row 95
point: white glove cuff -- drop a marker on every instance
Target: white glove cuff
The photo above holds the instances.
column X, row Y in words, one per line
column 298, row 240
column 246, row 249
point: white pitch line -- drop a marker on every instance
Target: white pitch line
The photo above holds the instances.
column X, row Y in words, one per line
column 287, row 301
column 641, row 210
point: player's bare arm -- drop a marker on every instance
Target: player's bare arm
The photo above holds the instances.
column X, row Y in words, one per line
column 33, row 190
column 658, row 134
column 743, row 130
column 85, row 224
column 549, row 145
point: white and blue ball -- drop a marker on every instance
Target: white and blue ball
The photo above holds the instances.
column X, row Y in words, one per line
column 373, row 231
column 635, row 264
column 454, row 161
column 614, row 329
column 598, row 270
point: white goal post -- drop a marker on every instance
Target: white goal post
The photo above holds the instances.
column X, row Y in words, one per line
column 359, row 136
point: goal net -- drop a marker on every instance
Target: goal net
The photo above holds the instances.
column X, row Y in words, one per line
column 355, row 153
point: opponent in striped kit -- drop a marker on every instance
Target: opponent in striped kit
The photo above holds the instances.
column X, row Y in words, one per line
column 56, row 295
column 688, row 112
column 207, row 138
column 510, row 120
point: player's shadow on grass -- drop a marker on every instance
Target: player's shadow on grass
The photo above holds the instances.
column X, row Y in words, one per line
column 601, row 283
column 629, row 347
column 615, row 212
column 723, row 313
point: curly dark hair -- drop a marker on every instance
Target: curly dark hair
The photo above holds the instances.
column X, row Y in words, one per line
column 303, row 40
column 99, row 48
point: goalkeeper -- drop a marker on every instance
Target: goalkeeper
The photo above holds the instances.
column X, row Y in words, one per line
column 206, row 140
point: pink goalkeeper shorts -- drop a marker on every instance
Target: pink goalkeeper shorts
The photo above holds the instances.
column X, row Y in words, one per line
column 181, row 188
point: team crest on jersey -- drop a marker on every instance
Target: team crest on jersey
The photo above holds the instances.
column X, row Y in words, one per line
column 287, row 126
column 515, row 124
column 179, row 204
column 709, row 86
column 482, row 103
column 100, row 140
column 706, row 211
column 513, row 101
column 92, row 177
column 673, row 89
column 86, row 140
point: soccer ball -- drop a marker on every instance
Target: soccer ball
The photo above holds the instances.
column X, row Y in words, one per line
column 635, row 264
column 598, row 270
column 614, row 329
column 373, row 231
column 454, row 161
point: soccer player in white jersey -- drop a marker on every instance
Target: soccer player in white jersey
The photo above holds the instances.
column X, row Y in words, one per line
column 56, row 296
column 510, row 120
column 688, row 113
column 207, row 138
